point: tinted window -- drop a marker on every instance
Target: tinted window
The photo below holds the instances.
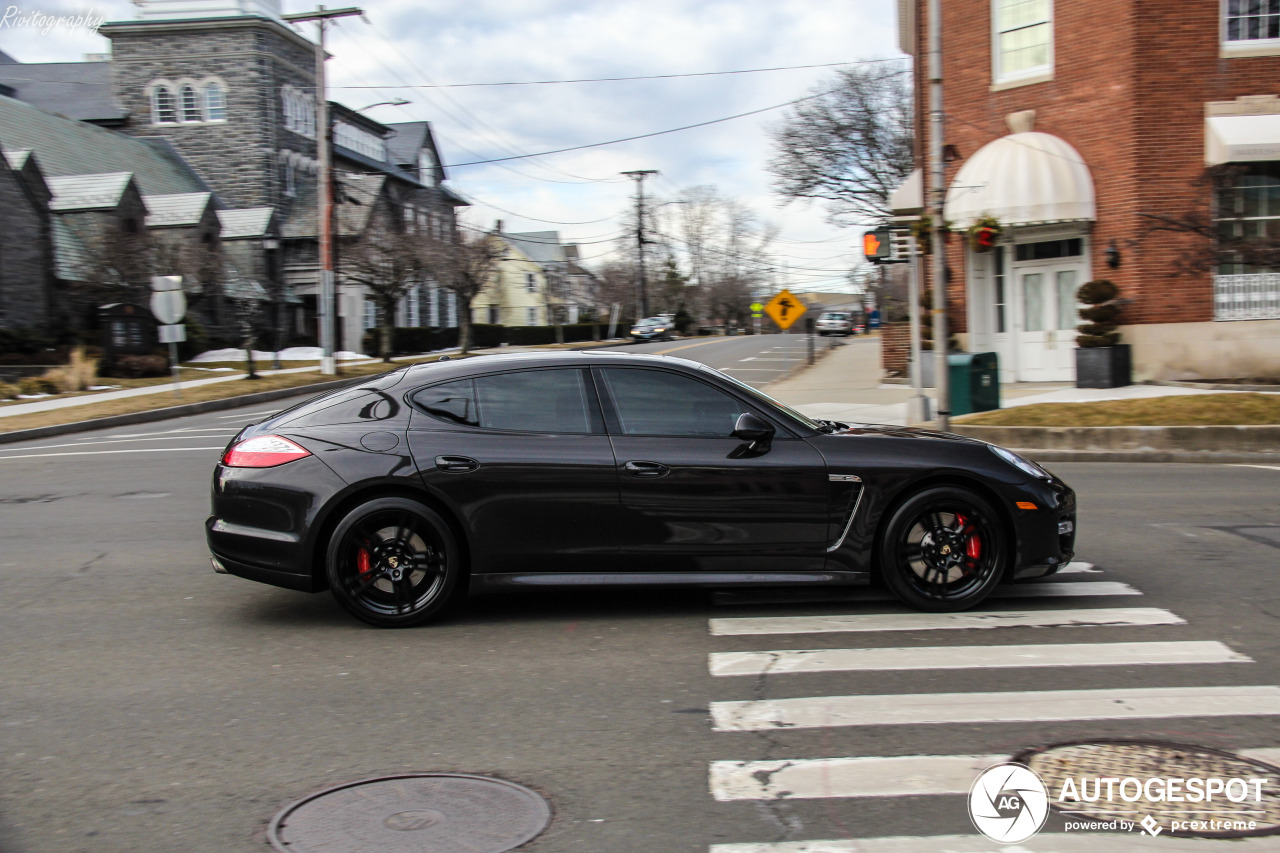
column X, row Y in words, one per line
column 534, row 401
column 654, row 402
column 452, row 402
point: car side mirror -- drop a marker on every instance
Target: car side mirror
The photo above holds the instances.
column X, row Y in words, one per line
column 755, row 429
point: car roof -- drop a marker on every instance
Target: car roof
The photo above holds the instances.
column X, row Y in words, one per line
column 532, row 359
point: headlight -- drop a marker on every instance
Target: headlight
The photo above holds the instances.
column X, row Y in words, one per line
column 659, row 329
column 1024, row 465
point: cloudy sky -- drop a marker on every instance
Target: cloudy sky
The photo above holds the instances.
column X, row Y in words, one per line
column 419, row 52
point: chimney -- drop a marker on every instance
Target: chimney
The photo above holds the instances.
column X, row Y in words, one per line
column 497, row 226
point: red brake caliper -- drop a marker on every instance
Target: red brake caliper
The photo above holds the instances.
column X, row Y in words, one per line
column 973, row 545
column 362, row 562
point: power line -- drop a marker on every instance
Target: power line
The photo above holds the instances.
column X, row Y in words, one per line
column 638, row 77
column 647, row 135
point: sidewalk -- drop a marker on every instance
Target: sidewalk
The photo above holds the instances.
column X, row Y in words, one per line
column 844, row 385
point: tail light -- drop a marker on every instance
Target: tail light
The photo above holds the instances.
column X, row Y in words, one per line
column 264, row 451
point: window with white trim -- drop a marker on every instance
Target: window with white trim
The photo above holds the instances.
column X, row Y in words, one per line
column 413, row 308
column 299, row 112
column 370, row 314
column 163, row 105
column 1252, row 20
column 215, row 102
column 1248, row 214
column 1022, row 39
column 530, row 283
column 532, row 316
column 190, row 104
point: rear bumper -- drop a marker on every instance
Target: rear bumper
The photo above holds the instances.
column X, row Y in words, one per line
column 262, row 574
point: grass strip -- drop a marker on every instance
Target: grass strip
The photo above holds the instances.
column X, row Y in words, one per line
column 1229, row 409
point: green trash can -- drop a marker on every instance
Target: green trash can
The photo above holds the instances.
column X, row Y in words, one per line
column 975, row 382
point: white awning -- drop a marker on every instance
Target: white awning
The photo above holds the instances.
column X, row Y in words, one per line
column 1241, row 139
column 908, row 198
column 1022, row 179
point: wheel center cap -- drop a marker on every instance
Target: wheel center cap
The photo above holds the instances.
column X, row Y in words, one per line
column 945, row 549
column 393, row 562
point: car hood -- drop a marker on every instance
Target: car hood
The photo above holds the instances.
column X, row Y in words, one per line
column 890, row 431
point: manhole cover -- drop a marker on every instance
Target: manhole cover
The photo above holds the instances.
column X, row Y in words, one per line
column 1187, row 790
column 414, row 813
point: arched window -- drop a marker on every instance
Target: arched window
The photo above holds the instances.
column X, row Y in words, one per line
column 163, row 108
column 215, row 102
column 190, row 104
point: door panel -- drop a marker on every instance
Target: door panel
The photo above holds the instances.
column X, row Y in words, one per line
column 532, row 500
column 1047, row 324
column 699, row 499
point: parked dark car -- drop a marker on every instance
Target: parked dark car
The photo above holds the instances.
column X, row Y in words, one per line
column 653, row 329
column 502, row 472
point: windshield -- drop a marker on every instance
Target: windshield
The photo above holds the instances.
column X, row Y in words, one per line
column 803, row 420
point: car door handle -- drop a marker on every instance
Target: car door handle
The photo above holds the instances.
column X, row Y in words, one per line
column 647, row 469
column 456, row 464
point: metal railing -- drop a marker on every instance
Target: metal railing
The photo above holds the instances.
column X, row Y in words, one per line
column 1251, row 296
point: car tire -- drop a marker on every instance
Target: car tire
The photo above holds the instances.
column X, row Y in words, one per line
column 944, row 549
column 393, row 563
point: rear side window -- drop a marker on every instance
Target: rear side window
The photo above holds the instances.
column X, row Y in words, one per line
column 452, row 402
column 655, row 402
column 554, row 401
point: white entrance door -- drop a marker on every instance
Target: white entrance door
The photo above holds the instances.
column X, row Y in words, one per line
column 1047, row 318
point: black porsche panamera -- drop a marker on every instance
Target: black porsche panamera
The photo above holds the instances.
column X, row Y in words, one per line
column 409, row 491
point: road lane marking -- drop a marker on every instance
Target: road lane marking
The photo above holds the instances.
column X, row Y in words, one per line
column 106, row 441
column 971, row 657
column 851, row 594
column 1077, row 567
column 1106, row 616
column 1267, row 467
column 1046, row 842
column 248, row 414
column 1029, row 706
column 864, row 776
column 105, row 452
column 686, row 346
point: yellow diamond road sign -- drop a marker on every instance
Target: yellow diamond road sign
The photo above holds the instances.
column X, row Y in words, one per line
column 784, row 309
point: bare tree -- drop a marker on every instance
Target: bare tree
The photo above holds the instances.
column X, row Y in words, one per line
column 465, row 265
column 850, row 147
column 388, row 261
column 1216, row 231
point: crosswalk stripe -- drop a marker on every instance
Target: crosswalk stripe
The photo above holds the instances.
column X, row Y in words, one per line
column 1026, row 706
column 1075, row 842
column 1061, row 590
column 1077, row 567
column 971, row 657
column 1110, row 616
column 870, row 776
column 864, row 776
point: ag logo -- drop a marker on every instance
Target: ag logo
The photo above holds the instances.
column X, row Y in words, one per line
column 1008, row 803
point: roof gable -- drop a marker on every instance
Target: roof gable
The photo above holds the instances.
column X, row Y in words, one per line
column 88, row 192
column 176, row 209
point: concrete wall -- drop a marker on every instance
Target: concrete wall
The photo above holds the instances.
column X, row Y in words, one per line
column 1204, row 351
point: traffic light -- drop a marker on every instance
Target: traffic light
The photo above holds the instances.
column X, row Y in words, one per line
column 877, row 245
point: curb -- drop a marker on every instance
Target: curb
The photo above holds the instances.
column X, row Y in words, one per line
column 1136, row 444
column 177, row 411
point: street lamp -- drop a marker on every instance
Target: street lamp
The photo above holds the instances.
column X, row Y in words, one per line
column 398, row 102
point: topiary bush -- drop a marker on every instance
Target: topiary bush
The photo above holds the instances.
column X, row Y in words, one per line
column 32, row 385
column 1100, row 313
column 8, row 392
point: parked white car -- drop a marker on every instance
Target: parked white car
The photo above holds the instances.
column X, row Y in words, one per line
column 834, row 323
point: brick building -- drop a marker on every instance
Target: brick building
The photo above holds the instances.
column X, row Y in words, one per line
column 1132, row 140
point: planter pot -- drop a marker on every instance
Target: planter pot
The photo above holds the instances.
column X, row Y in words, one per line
column 1104, row 367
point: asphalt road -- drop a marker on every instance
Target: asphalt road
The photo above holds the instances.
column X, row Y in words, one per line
column 754, row 359
column 147, row 703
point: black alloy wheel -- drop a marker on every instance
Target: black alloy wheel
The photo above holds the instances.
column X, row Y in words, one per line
column 394, row 563
column 943, row 550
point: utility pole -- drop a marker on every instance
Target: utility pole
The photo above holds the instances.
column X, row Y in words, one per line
column 642, row 284
column 937, row 199
column 325, row 296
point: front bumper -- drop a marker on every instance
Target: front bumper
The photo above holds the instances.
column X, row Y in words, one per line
column 1046, row 535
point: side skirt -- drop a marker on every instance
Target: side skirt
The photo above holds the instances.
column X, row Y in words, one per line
column 509, row 581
